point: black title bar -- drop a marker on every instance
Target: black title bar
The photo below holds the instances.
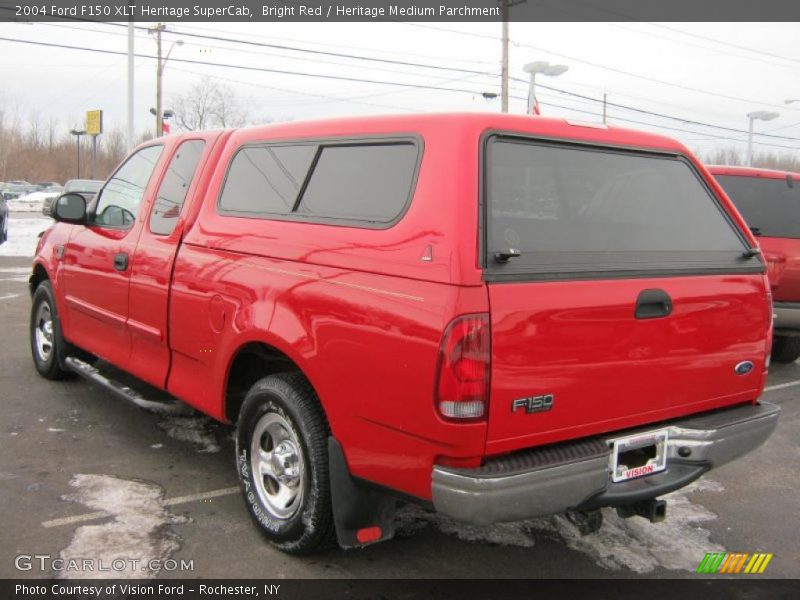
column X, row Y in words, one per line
column 398, row 10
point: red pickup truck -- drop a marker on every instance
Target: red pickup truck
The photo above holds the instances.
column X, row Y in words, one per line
column 770, row 203
column 496, row 316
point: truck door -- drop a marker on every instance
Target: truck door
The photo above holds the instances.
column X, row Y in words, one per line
column 153, row 259
column 97, row 260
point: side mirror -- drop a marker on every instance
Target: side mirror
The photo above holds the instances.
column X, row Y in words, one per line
column 70, row 208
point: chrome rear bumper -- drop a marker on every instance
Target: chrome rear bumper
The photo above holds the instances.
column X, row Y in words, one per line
column 576, row 475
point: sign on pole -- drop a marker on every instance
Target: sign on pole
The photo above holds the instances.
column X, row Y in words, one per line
column 94, row 122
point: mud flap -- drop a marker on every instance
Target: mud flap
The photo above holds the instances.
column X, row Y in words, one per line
column 362, row 515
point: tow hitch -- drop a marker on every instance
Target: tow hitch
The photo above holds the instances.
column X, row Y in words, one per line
column 653, row 510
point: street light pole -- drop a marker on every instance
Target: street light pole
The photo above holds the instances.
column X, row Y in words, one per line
column 78, row 133
column 545, row 68
column 759, row 115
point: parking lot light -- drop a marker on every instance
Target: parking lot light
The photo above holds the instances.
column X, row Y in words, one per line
column 759, row 115
column 78, row 133
column 544, row 68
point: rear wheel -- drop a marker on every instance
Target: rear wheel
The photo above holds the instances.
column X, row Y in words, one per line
column 47, row 344
column 786, row 349
column 282, row 462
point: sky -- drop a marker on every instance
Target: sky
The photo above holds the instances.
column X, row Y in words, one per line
column 712, row 73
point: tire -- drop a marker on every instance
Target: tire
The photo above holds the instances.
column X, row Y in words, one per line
column 786, row 349
column 48, row 346
column 282, row 462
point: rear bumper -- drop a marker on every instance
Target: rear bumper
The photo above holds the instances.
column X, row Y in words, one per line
column 576, row 475
column 787, row 316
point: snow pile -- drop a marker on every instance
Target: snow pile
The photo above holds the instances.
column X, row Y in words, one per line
column 33, row 202
column 678, row 543
column 137, row 533
column 23, row 235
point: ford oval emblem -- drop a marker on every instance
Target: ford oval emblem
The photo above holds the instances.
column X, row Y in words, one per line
column 744, row 367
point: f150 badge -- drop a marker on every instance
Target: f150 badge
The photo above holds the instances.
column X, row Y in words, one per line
column 533, row 404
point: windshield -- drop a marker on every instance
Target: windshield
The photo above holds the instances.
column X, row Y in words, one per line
column 771, row 207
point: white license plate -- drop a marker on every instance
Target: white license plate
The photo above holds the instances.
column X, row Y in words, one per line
column 638, row 455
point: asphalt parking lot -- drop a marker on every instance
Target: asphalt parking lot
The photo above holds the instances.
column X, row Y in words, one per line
column 85, row 475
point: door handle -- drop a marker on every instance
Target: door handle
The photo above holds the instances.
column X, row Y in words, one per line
column 121, row 261
column 653, row 304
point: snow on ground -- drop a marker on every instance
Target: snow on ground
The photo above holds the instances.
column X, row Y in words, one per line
column 19, row 274
column 195, row 429
column 138, row 529
column 30, row 202
column 678, row 543
column 23, row 234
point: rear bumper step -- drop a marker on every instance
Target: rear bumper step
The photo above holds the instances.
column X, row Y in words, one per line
column 576, row 475
column 787, row 315
column 93, row 374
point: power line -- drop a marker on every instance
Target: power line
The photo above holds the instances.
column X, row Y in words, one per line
column 606, row 68
column 250, row 52
column 617, row 105
column 248, row 68
column 318, row 52
column 657, row 114
column 724, row 43
column 379, row 82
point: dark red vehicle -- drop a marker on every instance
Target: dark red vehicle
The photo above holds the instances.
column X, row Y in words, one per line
column 770, row 203
column 496, row 316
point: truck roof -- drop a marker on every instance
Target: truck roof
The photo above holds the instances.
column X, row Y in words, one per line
column 751, row 172
column 564, row 129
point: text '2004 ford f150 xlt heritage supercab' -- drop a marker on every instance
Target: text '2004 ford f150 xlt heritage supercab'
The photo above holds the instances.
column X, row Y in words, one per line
column 499, row 317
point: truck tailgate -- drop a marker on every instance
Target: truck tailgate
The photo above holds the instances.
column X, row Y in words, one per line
column 605, row 369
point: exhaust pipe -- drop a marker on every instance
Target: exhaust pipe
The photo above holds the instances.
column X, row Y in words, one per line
column 653, row 510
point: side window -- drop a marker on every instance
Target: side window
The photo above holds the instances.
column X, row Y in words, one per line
column 266, row 179
column 119, row 200
column 175, row 186
column 353, row 181
column 361, row 182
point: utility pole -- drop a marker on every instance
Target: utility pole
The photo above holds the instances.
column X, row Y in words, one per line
column 156, row 30
column 605, row 104
column 504, row 70
column 131, row 134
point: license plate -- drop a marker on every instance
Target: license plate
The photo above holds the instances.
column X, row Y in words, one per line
column 638, row 455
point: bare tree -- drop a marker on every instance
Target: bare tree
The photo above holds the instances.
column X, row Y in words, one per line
column 784, row 161
column 209, row 104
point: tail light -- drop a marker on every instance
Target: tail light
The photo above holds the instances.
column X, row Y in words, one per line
column 462, row 386
column 771, row 321
column 776, row 265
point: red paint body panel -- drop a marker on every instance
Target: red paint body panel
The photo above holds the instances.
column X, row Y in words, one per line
column 362, row 314
column 782, row 254
column 608, row 370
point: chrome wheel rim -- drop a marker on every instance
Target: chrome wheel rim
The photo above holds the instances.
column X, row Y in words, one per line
column 43, row 331
column 277, row 465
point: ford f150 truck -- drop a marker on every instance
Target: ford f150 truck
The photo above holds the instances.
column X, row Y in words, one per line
column 770, row 203
column 499, row 317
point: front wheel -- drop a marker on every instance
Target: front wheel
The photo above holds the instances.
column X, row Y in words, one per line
column 47, row 344
column 282, row 462
column 785, row 349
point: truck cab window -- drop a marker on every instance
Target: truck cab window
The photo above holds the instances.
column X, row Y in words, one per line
column 119, row 200
column 175, row 186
